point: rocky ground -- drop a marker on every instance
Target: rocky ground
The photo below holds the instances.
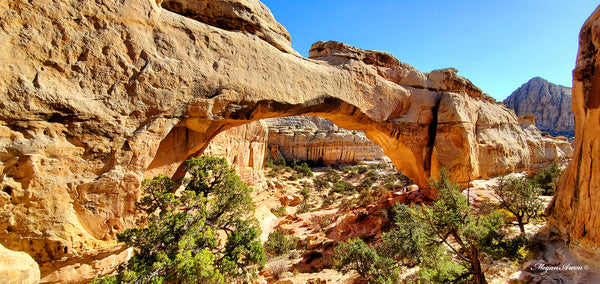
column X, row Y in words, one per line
column 320, row 217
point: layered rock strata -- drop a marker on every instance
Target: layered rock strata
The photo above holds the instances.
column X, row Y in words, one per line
column 549, row 103
column 310, row 138
column 576, row 209
column 96, row 95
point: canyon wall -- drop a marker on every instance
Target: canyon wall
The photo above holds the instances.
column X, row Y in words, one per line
column 576, row 209
column 311, row 138
column 479, row 138
column 97, row 95
column 245, row 148
column 549, row 103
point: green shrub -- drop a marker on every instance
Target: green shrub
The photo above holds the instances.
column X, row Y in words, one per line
column 366, row 197
column 546, row 179
column 343, row 187
column 404, row 180
column 389, row 182
column 362, row 169
column 294, row 176
column 281, row 211
column 277, row 163
column 364, row 259
column 327, row 201
column 305, row 192
column 303, row 170
column 331, row 175
column 272, row 173
column 325, row 221
column 373, row 174
column 304, row 207
column 346, row 169
column 280, row 243
column 320, row 183
column 367, row 183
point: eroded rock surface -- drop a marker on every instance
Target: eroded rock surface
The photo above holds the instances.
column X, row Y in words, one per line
column 249, row 16
column 311, row 138
column 576, row 210
column 549, row 103
column 245, row 148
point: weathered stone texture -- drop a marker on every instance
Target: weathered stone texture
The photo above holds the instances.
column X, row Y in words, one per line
column 576, row 209
column 18, row 267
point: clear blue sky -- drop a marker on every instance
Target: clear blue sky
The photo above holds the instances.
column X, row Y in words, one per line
column 498, row 45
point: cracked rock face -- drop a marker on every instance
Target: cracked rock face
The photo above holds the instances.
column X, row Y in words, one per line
column 96, row 95
column 549, row 103
column 576, row 209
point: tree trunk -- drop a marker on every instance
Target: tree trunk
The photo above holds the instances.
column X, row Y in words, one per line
column 521, row 225
column 478, row 275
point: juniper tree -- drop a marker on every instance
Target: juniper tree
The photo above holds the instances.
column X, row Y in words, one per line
column 177, row 240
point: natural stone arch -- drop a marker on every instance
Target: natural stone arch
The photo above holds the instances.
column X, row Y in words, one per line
column 91, row 89
column 191, row 137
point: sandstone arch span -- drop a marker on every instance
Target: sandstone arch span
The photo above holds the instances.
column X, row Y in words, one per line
column 193, row 135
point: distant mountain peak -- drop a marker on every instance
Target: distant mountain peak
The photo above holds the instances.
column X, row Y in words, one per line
column 549, row 103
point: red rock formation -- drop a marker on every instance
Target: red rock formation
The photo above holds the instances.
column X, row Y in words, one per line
column 576, row 208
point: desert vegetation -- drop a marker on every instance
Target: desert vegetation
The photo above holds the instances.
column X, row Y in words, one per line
column 178, row 238
column 448, row 240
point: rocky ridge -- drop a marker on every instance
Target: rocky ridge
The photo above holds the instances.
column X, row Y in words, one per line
column 95, row 96
column 549, row 103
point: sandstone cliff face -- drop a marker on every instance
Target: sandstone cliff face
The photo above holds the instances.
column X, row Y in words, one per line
column 476, row 138
column 549, row 103
column 545, row 150
column 245, row 148
column 576, row 209
column 312, row 138
column 95, row 96
column 309, row 122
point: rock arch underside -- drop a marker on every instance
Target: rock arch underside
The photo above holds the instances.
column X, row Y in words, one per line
column 96, row 95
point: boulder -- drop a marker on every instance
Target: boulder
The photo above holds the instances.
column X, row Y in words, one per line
column 18, row 267
column 291, row 199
